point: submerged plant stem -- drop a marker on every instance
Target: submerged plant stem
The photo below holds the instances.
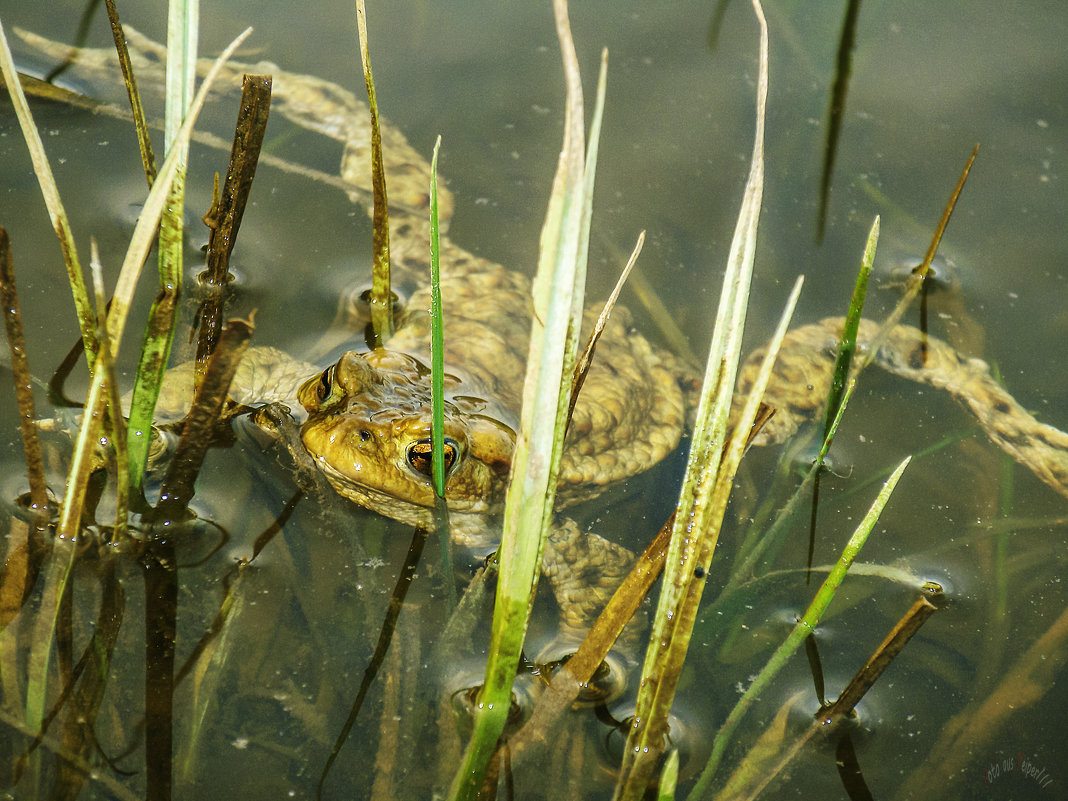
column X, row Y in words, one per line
column 385, row 637
column 836, row 109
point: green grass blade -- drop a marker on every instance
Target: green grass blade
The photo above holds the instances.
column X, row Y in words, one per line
column 669, row 777
column 83, row 305
column 706, row 485
column 589, row 174
column 437, row 337
column 847, row 346
column 531, row 490
column 152, row 364
column 437, row 386
column 183, row 23
column 797, row 636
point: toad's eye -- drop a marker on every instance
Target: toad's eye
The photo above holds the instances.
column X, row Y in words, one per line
column 322, row 389
column 420, row 456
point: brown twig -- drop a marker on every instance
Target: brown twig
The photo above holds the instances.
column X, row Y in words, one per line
column 919, row 273
column 929, row 602
column 758, row 771
column 196, row 433
column 975, row 730
column 227, row 209
column 23, row 382
column 569, row 679
column 582, row 366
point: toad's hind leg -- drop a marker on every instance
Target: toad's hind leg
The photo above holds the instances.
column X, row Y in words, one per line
column 584, row 570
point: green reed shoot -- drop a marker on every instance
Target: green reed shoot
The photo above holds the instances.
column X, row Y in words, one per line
column 437, row 338
column 669, row 777
column 847, row 346
column 557, row 296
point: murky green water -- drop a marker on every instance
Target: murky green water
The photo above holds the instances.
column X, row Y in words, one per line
column 260, row 714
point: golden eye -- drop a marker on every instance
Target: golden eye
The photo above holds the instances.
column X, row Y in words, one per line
column 326, row 380
column 420, row 456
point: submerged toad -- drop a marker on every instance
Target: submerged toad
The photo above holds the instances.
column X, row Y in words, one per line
column 368, row 420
